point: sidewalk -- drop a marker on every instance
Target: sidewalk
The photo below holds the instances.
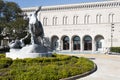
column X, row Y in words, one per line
column 108, row 67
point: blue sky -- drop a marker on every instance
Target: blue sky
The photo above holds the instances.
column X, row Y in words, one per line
column 33, row 3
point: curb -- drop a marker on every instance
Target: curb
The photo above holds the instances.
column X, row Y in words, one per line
column 113, row 53
column 81, row 75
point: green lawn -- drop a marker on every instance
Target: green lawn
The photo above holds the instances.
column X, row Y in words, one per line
column 51, row 68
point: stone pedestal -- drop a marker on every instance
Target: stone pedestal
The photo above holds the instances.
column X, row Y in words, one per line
column 29, row 51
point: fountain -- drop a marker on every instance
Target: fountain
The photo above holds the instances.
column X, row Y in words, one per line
column 36, row 48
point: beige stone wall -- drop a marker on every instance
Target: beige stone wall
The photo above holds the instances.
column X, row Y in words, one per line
column 96, row 25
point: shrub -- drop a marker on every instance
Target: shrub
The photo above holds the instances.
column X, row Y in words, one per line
column 115, row 49
column 2, row 55
column 46, row 68
column 5, row 62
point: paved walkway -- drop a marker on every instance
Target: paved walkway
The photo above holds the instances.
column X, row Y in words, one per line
column 108, row 67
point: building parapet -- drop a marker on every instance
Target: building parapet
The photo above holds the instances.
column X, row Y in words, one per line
column 29, row 9
column 103, row 4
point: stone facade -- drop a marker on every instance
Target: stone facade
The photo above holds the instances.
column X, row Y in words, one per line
column 81, row 27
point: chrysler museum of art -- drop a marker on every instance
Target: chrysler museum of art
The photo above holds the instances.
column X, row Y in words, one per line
column 84, row 27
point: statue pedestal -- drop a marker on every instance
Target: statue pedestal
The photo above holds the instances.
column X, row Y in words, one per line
column 30, row 51
column 26, row 55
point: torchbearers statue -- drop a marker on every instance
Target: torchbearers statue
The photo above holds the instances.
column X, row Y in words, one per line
column 37, row 47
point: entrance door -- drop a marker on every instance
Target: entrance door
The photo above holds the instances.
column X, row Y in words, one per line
column 99, row 42
column 87, row 43
column 66, row 43
column 54, row 43
column 76, row 43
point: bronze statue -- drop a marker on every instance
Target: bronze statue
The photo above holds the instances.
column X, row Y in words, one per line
column 36, row 29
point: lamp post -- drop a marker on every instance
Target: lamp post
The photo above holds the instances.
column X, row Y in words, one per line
column 112, row 30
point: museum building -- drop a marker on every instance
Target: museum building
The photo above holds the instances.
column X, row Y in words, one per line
column 84, row 27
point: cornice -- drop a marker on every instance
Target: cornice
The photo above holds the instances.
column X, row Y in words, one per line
column 29, row 9
column 106, row 4
column 103, row 4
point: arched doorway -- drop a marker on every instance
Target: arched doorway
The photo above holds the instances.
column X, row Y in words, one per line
column 55, row 43
column 66, row 43
column 87, row 43
column 76, row 43
column 99, row 41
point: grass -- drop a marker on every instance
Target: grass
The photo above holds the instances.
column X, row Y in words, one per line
column 51, row 68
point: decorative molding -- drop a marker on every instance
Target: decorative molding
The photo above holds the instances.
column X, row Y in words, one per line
column 91, row 5
column 30, row 9
column 59, row 25
column 83, row 6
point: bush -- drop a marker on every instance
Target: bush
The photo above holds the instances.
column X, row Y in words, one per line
column 115, row 49
column 2, row 55
column 5, row 62
column 46, row 68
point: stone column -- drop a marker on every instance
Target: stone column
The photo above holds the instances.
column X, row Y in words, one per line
column 81, row 45
column 93, row 46
column 59, row 45
column 70, row 44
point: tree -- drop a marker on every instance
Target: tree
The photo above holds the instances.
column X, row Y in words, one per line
column 1, row 6
column 11, row 11
column 11, row 20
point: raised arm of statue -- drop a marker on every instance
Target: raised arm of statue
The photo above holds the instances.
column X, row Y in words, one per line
column 33, row 17
column 37, row 10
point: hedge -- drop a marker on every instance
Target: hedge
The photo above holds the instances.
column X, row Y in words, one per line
column 115, row 49
column 5, row 62
column 46, row 68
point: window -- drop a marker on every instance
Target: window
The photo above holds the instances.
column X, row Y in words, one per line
column 66, row 43
column 99, row 39
column 54, row 43
column 75, row 20
column 86, row 19
column 99, row 44
column 45, row 20
column 54, row 20
column 76, row 43
column 111, row 18
column 87, row 43
column 98, row 18
column 65, row 20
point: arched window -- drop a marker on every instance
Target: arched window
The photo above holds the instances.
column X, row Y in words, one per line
column 87, row 43
column 65, row 20
column 45, row 20
column 76, row 43
column 86, row 19
column 54, row 20
column 99, row 40
column 98, row 18
column 111, row 18
column 66, row 43
column 54, row 42
column 75, row 20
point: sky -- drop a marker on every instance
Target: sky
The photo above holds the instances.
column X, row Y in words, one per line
column 34, row 3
